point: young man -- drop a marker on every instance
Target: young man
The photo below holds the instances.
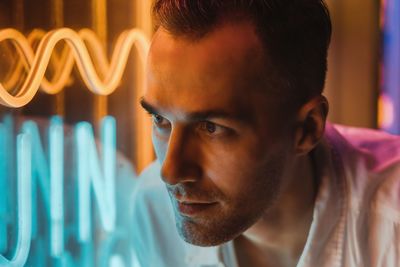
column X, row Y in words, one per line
column 247, row 172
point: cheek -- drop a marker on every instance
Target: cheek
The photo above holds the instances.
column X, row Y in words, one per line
column 231, row 171
column 238, row 171
column 251, row 188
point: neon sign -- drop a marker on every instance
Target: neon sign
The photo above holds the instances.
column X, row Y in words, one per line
column 45, row 228
column 85, row 49
column 58, row 205
column 38, row 62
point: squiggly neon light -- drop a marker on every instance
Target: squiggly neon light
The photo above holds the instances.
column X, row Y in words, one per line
column 103, row 83
column 61, row 63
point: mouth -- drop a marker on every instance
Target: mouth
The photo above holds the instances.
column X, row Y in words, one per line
column 192, row 208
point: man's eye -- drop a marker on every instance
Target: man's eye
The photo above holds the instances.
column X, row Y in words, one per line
column 211, row 128
column 160, row 121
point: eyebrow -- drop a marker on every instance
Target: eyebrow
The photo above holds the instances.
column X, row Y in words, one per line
column 148, row 107
column 199, row 115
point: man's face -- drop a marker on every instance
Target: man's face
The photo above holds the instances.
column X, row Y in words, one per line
column 219, row 136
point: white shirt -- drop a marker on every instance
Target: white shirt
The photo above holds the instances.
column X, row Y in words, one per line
column 356, row 220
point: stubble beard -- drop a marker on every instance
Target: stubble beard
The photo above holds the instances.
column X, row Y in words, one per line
column 227, row 225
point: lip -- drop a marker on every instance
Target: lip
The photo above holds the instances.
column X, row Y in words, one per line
column 194, row 208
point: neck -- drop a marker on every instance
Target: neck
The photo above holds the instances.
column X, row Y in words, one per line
column 279, row 236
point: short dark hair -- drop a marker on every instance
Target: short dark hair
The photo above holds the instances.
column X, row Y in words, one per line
column 295, row 34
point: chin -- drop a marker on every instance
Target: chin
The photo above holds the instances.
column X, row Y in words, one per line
column 198, row 236
column 207, row 234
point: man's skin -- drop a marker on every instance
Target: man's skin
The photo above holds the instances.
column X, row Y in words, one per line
column 235, row 162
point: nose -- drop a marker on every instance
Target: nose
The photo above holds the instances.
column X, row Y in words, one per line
column 181, row 162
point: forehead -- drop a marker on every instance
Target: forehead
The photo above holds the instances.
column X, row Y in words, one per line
column 221, row 68
column 227, row 42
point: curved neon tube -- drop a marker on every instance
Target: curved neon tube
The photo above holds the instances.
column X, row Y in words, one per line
column 61, row 63
column 110, row 74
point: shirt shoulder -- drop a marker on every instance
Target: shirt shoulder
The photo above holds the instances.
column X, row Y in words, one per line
column 371, row 163
column 358, row 220
column 381, row 149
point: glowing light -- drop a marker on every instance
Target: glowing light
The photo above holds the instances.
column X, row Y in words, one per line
column 24, row 204
column 40, row 168
column 96, row 165
column 108, row 140
column 116, row 261
column 385, row 112
column 56, row 135
column 49, row 177
column 61, row 64
column 3, row 189
column 102, row 178
column 40, row 172
column 84, row 215
column 78, row 51
column 6, row 152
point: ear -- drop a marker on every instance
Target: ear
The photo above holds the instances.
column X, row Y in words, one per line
column 311, row 119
